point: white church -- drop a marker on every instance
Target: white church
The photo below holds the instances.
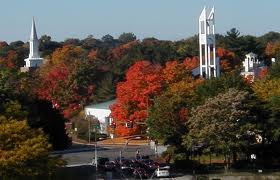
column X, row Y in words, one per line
column 34, row 60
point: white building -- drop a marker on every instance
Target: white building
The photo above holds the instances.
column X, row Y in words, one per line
column 209, row 63
column 102, row 112
column 251, row 66
column 34, row 60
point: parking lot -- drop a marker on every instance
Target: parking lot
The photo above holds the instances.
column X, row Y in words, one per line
column 114, row 162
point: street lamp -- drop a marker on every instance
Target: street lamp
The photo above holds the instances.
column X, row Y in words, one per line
column 96, row 126
column 126, row 143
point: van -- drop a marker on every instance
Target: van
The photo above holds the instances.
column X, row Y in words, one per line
column 163, row 171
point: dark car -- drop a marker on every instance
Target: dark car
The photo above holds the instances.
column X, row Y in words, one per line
column 110, row 165
column 125, row 164
column 149, row 164
column 140, row 173
column 100, row 162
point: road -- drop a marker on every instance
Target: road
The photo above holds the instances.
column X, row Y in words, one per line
column 84, row 154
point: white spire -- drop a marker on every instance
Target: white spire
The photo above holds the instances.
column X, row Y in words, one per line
column 34, row 59
column 33, row 35
column 33, row 42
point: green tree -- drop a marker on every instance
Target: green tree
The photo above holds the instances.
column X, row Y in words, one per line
column 232, row 42
column 127, row 37
column 214, row 86
column 220, row 122
column 24, row 151
column 188, row 47
column 164, row 121
column 47, row 46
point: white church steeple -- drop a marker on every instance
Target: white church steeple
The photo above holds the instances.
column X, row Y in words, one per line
column 33, row 59
column 33, row 42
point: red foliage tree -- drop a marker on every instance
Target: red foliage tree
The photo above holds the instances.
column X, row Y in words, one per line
column 143, row 82
column 269, row 49
column 117, row 52
column 228, row 61
column 263, row 73
column 191, row 63
column 63, row 82
column 9, row 60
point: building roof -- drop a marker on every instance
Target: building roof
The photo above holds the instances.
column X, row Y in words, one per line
column 251, row 54
column 103, row 105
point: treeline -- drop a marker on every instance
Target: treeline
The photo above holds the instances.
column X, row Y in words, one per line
column 100, row 63
column 79, row 72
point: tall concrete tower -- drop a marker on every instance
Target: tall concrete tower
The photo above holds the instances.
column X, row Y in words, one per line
column 33, row 59
column 209, row 63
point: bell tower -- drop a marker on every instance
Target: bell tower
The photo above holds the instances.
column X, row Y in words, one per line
column 209, row 63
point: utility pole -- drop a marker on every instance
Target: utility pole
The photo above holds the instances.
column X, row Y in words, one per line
column 89, row 131
column 95, row 150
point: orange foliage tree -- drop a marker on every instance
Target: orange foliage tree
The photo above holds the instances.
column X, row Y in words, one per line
column 66, row 80
column 143, row 81
column 228, row 61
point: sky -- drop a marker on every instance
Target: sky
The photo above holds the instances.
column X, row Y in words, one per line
column 162, row 19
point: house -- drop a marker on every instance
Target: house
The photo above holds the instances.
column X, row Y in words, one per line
column 251, row 66
column 102, row 112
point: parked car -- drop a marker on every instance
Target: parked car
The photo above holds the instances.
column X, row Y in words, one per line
column 149, row 164
column 110, row 165
column 140, row 173
column 100, row 161
column 163, row 171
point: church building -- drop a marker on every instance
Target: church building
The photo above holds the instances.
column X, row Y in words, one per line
column 34, row 60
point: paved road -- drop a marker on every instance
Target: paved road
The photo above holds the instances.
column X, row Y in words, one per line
column 84, row 154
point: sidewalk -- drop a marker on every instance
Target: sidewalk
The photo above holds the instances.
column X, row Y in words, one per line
column 120, row 141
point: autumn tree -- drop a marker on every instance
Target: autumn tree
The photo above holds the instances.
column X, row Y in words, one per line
column 220, row 122
column 67, row 80
column 228, row 61
column 268, row 93
column 143, row 82
column 24, row 151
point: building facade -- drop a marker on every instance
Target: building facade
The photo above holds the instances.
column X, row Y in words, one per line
column 102, row 112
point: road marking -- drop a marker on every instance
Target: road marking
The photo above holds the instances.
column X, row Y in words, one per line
column 76, row 165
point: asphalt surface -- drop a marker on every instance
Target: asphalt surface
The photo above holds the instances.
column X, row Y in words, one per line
column 83, row 154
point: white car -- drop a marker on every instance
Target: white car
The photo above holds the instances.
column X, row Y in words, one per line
column 163, row 171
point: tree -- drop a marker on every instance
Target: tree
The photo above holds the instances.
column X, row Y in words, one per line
column 228, row 61
column 165, row 120
column 232, row 42
column 24, row 151
column 220, row 122
column 214, row 86
column 188, row 47
column 67, row 80
column 274, row 70
column 47, row 46
column 90, row 42
column 267, row 88
column 107, row 38
column 143, row 82
column 127, row 37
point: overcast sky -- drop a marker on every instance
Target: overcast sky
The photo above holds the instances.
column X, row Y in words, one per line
column 163, row 19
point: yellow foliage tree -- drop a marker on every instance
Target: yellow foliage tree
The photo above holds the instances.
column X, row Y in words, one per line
column 267, row 88
column 24, row 151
